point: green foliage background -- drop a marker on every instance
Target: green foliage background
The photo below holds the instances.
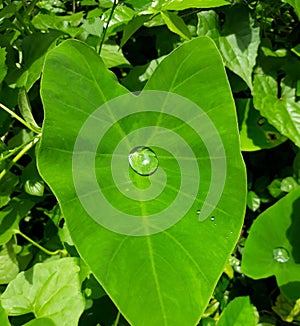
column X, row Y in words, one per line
column 43, row 279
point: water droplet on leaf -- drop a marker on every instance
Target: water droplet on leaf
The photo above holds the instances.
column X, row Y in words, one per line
column 198, row 212
column 143, row 160
column 281, row 255
column 212, row 218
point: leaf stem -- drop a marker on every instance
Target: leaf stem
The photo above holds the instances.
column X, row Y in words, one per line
column 13, row 114
column 19, row 155
column 48, row 252
column 11, row 152
column 106, row 26
column 116, row 322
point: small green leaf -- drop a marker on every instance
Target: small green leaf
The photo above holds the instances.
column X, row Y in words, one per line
column 25, row 109
column 284, row 112
column 34, row 187
column 132, row 27
column 288, row 184
column 35, row 47
column 93, row 26
column 50, row 289
column 295, row 4
column 239, row 42
column 11, row 215
column 122, row 16
column 67, row 24
column 239, row 312
column 273, row 245
column 176, row 24
column 139, row 5
column 275, row 188
column 41, row 322
column 8, row 184
column 181, row 5
column 287, row 310
column 3, row 67
column 112, row 56
column 208, row 25
column 3, row 317
column 253, row 201
column 296, row 50
column 255, row 131
column 8, row 263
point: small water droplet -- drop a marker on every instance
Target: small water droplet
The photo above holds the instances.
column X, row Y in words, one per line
column 198, row 212
column 143, row 160
column 212, row 218
column 281, row 255
column 261, row 121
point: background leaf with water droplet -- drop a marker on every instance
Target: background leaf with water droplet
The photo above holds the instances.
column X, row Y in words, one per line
column 273, row 245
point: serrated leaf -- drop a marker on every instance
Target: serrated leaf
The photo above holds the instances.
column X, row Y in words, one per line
column 176, row 24
column 273, row 245
column 49, row 289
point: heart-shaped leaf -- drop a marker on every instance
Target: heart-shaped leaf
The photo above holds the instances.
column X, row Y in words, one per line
column 161, row 263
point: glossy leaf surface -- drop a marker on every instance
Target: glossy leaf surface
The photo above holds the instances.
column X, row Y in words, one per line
column 164, row 273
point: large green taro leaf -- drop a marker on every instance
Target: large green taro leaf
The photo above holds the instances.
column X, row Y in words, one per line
column 165, row 278
column 273, row 245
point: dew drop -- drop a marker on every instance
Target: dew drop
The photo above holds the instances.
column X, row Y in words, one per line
column 212, row 218
column 261, row 121
column 198, row 212
column 143, row 160
column 281, row 255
